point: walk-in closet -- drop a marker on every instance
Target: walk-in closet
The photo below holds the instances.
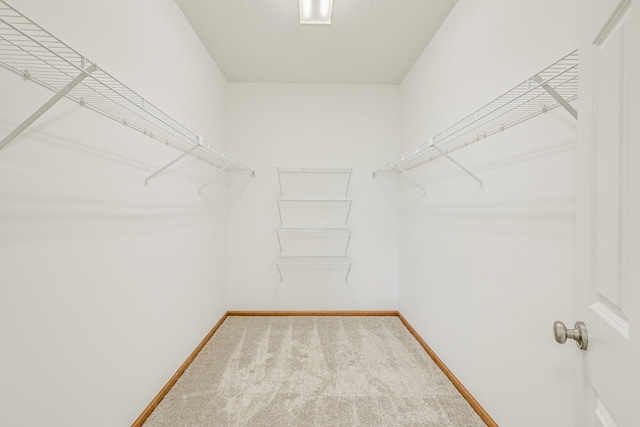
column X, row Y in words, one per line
column 247, row 212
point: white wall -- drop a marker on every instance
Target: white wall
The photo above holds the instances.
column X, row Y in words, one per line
column 107, row 285
column 299, row 125
column 485, row 272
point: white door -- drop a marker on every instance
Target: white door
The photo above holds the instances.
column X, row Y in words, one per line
column 608, row 286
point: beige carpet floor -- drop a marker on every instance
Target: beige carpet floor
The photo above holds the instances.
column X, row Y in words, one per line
column 313, row 371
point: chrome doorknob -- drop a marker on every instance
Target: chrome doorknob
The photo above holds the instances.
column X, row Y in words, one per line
column 579, row 334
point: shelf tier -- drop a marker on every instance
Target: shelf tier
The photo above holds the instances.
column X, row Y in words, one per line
column 341, row 235
column 315, row 170
column 315, row 260
column 324, row 201
column 32, row 52
column 315, row 230
column 555, row 86
column 333, row 204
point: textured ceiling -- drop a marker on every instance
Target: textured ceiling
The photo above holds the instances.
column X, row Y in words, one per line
column 368, row 41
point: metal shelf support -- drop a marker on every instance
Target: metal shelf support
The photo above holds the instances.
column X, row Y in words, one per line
column 279, row 212
column 563, row 102
column 346, row 191
column 346, row 248
column 281, row 193
column 47, row 105
column 220, row 172
column 280, row 246
column 465, row 170
column 280, row 273
column 406, row 176
column 171, row 163
column 346, row 220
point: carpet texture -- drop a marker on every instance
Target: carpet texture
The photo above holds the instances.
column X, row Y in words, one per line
column 313, row 371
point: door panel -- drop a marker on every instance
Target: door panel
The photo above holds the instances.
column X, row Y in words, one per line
column 603, row 416
column 610, row 147
column 608, row 212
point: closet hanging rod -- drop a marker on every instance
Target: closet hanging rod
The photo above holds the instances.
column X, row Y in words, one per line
column 32, row 52
column 554, row 86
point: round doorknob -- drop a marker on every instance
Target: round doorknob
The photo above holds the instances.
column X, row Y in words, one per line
column 579, row 334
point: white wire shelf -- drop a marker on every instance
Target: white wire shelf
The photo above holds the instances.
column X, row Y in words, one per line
column 293, row 261
column 314, row 241
column 318, row 213
column 318, row 172
column 321, row 201
column 32, row 52
column 555, row 86
column 315, row 170
column 314, row 230
column 315, row 260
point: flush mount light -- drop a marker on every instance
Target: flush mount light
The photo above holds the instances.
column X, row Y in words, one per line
column 315, row 11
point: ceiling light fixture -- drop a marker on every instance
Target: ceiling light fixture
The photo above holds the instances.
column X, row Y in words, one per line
column 315, row 11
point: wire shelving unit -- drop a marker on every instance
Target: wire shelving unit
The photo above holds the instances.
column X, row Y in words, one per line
column 31, row 51
column 553, row 87
column 324, row 227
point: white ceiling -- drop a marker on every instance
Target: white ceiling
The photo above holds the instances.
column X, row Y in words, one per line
column 368, row 41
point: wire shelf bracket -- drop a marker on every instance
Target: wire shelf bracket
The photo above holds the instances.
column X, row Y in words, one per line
column 563, row 102
column 171, row 163
column 554, row 86
column 47, row 105
column 465, row 170
column 32, row 52
column 212, row 180
column 405, row 175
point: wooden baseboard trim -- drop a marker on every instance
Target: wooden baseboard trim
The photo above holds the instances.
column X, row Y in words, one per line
column 313, row 313
column 456, row 382
column 156, row 400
